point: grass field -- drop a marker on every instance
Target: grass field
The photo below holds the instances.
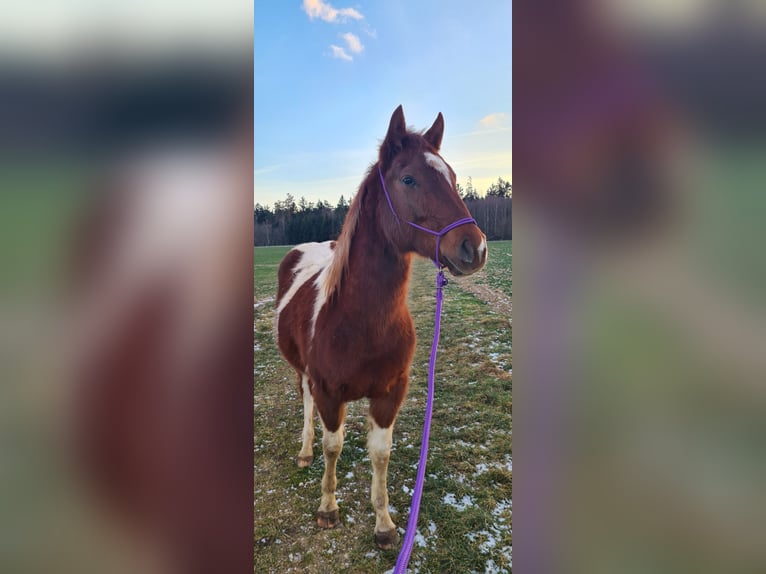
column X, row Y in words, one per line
column 465, row 517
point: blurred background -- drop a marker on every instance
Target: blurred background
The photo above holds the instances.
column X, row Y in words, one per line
column 125, row 280
column 639, row 171
column 125, row 284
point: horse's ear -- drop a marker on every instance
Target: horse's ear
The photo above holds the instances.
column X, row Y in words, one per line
column 397, row 130
column 435, row 132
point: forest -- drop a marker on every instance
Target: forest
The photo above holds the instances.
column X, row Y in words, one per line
column 289, row 222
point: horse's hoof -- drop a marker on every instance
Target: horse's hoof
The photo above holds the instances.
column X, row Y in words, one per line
column 304, row 461
column 328, row 519
column 386, row 539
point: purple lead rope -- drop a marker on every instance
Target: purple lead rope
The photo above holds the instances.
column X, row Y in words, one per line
column 412, row 524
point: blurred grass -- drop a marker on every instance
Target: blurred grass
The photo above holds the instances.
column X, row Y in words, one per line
column 728, row 210
column 668, row 469
column 37, row 207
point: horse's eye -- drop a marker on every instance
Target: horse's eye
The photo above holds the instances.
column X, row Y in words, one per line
column 408, row 180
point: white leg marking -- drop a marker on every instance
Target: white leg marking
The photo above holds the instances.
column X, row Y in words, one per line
column 332, row 444
column 379, row 446
column 439, row 165
column 307, row 450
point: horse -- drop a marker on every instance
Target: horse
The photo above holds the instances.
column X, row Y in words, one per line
column 341, row 318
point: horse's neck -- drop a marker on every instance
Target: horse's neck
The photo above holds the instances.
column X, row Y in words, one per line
column 378, row 272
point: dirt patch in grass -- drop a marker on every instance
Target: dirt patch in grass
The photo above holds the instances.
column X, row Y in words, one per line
column 494, row 283
column 499, row 301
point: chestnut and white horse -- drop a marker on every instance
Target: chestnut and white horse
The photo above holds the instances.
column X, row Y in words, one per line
column 342, row 320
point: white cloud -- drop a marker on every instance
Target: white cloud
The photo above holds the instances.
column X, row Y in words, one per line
column 340, row 53
column 354, row 44
column 369, row 31
column 493, row 120
column 328, row 13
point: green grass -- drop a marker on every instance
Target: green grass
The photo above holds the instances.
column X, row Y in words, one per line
column 497, row 272
column 266, row 265
column 470, row 446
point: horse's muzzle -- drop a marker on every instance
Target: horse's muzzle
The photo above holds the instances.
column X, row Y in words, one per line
column 467, row 255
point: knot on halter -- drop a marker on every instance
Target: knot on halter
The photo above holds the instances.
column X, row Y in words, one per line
column 438, row 234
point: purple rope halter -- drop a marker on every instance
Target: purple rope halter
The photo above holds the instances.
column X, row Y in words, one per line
column 438, row 234
column 412, row 524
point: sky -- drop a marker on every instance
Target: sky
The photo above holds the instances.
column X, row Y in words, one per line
column 328, row 76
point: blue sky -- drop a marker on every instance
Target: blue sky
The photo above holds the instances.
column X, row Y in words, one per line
column 328, row 75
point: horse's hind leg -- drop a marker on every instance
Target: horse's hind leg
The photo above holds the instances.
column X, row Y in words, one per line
column 306, row 456
column 332, row 444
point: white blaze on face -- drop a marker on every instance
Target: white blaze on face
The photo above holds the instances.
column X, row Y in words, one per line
column 439, row 165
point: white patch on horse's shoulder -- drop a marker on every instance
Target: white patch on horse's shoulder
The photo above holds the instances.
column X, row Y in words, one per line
column 321, row 286
column 316, row 258
column 439, row 165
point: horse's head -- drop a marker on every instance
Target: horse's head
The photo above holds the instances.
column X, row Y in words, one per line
column 422, row 188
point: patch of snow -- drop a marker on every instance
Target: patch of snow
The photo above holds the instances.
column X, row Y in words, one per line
column 491, row 568
column 488, row 545
column 501, row 508
column 459, row 505
column 262, row 302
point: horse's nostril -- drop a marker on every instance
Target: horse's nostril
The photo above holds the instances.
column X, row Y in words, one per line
column 466, row 251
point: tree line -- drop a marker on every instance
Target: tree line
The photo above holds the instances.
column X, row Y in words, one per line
column 290, row 222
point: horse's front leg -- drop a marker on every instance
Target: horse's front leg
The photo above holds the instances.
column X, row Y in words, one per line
column 383, row 411
column 379, row 446
column 332, row 444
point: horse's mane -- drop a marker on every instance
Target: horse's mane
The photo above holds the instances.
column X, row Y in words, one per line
column 339, row 265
